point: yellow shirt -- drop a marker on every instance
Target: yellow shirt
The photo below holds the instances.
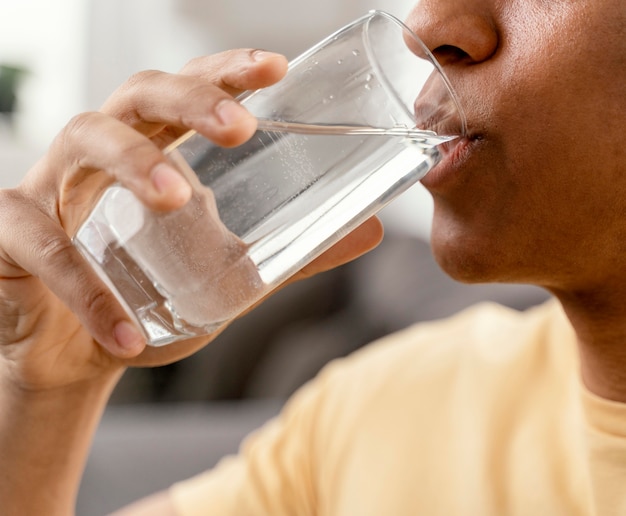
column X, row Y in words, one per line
column 481, row 414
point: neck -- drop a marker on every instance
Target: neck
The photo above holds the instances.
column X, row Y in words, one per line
column 599, row 321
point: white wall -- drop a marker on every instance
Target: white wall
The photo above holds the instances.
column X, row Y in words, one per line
column 131, row 35
column 48, row 38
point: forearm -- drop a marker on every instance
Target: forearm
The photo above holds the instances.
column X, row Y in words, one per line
column 44, row 442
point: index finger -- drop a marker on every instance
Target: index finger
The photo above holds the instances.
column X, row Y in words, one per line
column 151, row 100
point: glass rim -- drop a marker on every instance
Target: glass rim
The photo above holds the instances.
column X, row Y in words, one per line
column 429, row 56
column 377, row 13
column 365, row 19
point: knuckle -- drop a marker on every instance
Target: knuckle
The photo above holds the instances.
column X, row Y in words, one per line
column 55, row 250
column 215, row 66
column 77, row 126
column 204, row 94
column 206, row 66
column 138, row 80
column 123, row 102
column 196, row 64
column 96, row 301
column 65, row 147
column 8, row 196
column 124, row 146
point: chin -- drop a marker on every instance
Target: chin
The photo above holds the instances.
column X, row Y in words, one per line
column 464, row 266
column 472, row 258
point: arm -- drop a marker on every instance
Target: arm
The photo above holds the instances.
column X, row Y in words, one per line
column 44, row 440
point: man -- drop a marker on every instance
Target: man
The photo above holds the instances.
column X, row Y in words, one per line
column 491, row 412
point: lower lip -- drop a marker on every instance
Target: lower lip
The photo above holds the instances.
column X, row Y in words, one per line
column 453, row 155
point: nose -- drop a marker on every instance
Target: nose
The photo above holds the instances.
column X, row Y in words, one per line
column 455, row 30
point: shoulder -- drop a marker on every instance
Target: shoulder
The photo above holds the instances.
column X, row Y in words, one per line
column 487, row 332
column 485, row 348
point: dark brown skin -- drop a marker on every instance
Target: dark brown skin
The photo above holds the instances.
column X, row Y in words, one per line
column 538, row 195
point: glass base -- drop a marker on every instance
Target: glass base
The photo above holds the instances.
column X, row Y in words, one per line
column 134, row 289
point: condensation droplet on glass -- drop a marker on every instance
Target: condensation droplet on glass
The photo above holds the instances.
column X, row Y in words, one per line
column 339, row 61
column 369, row 77
column 356, row 52
column 271, row 192
column 368, row 87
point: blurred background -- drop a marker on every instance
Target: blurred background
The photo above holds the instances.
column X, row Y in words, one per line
column 64, row 57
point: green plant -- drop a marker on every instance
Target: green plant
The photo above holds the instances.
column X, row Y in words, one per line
column 10, row 77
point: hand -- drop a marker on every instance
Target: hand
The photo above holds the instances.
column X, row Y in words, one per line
column 59, row 324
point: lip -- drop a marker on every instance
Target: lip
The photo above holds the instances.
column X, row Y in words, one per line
column 454, row 155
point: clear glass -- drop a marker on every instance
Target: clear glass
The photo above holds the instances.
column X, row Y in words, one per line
column 355, row 122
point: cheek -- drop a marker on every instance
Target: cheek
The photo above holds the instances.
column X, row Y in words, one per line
column 562, row 73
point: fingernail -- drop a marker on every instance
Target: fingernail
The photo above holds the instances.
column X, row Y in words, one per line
column 262, row 55
column 127, row 336
column 230, row 112
column 167, row 180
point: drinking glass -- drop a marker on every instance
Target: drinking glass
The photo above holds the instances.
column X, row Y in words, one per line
column 356, row 121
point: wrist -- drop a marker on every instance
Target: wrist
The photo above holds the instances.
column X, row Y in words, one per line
column 45, row 437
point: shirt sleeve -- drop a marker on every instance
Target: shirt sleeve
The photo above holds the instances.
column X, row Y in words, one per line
column 272, row 475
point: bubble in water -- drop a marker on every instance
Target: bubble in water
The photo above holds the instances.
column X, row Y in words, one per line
column 339, row 61
column 368, row 78
column 271, row 192
column 355, row 52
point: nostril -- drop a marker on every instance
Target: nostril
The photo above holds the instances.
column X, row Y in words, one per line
column 449, row 54
column 459, row 32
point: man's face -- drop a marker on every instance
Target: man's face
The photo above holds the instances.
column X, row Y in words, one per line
column 537, row 192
